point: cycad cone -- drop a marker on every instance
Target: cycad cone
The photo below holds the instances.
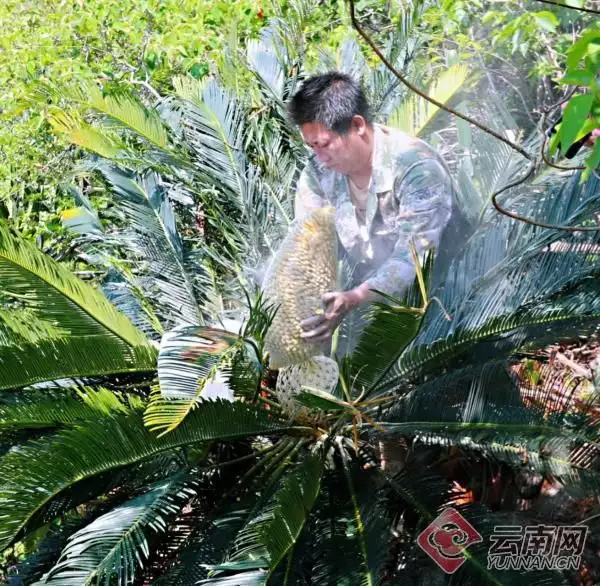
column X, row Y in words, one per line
column 302, row 270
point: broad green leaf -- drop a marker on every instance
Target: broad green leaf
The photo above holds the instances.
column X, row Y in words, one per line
column 553, row 144
column 577, row 77
column 589, row 125
column 546, row 20
column 579, row 49
column 574, row 117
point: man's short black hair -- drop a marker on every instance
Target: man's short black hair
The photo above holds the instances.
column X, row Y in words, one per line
column 331, row 99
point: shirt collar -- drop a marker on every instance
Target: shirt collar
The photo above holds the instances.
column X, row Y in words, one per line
column 383, row 173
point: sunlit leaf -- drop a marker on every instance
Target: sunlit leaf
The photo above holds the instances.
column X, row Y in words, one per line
column 574, row 117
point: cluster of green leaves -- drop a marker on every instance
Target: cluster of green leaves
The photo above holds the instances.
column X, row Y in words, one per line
column 137, row 45
column 525, row 33
column 581, row 116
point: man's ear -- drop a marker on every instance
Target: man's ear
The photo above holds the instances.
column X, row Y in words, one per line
column 360, row 124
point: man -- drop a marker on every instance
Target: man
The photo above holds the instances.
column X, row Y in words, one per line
column 387, row 187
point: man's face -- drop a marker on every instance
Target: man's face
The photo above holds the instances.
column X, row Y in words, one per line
column 334, row 151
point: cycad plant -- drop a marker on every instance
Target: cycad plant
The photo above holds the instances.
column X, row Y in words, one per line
column 116, row 469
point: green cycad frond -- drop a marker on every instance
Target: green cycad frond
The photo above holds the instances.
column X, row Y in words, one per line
column 53, row 293
column 367, row 566
column 214, row 125
column 398, row 321
column 293, row 504
column 71, row 357
column 22, row 323
column 84, row 135
column 157, row 242
column 416, row 113
column 543, row 448
column 187, row 363
column 268, row 537
column 109, row 443
column 510, row 286
column 34, row 282
column 124, row 109
column 490, row 164
column 239, row 202
column 565, row 316
column 115, row 544
column 328, row 550
column 31, row 411
column 266, row 58
column 205, row 547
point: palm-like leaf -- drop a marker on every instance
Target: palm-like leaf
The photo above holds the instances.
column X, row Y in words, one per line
column 156, row 240
column 543, row 289
column 88, row 322
column 32, row 412
column 116, row 543
column 124, row 109
column 489, row 164
column 268, row 537
column 187, row 365
column 415, row 113
column 84, row 135
column 374, row 356
column 97, row 446
column 214, row 125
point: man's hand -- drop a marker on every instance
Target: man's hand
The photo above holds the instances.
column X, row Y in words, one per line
column 320, row 328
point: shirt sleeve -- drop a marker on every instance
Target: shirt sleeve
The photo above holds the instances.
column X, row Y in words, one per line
column 309, row 196
column 424, row 194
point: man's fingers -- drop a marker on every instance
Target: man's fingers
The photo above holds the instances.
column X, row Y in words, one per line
column 327, row 297
column 312, row 322
column 318, row 331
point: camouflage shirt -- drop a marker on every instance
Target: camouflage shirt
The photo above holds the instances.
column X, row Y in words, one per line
column 410, row 197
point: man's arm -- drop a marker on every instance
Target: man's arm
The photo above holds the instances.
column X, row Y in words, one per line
column 425, row 197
